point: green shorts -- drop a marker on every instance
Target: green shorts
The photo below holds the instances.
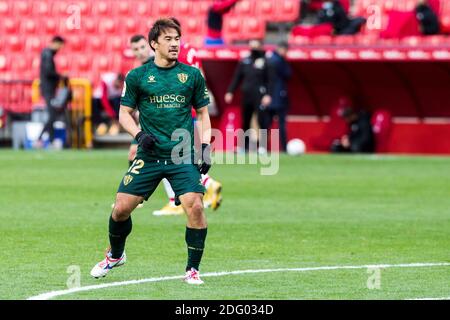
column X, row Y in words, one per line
column 143, row 177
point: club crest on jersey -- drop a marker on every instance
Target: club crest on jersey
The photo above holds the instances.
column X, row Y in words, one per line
column 151, row 79
column 182, row 77
column 127, row 179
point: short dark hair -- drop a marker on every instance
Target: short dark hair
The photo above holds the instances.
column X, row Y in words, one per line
column 176, row 21
column 58, row 39
column 159, row 27
column 137, row 38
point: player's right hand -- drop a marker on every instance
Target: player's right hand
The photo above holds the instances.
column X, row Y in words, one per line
column 146, row 140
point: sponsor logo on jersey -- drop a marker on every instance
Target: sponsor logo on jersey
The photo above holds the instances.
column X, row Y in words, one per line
column 168, row 98
column 151, row 79
column 127, row 179
column 182, row 77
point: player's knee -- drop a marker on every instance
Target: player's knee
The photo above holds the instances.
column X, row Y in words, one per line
column 197, row 208
column 121, row 211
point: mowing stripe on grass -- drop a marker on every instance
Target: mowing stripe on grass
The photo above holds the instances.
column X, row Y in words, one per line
column 53, row 294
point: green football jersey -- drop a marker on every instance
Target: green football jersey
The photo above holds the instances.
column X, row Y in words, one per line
column 164, row 98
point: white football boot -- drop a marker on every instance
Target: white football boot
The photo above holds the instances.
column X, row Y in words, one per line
column 193, row 277
column 104, row 266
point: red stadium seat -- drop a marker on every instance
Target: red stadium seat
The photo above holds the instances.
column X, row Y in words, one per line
column 182, row 8
column 76, row 43
column 254, row 28
column 50, row 25
column 193, row 26
column 101, row 8
column 287, row 10
column 116, row 43
column 33, row 44
column 123, row 8
column 130, row 26
column 42, row 8
column 162, row 8
column 83, row 62
column 244, row 8
column 89, row 25
column 96, row 43
column 107, row 26
column 22, row 8
column 142, row 8
column 5, row 8
column 15, row 43
column 266, row 9
column 3, row 63
column 29, row 26
column 11, row 25
column 232, row 28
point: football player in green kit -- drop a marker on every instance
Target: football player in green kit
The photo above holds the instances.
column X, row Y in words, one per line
column 163, row 91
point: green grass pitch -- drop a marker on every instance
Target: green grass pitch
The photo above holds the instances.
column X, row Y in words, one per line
column 319, row 210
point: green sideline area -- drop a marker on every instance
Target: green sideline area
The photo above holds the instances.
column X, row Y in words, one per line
column 319, row 210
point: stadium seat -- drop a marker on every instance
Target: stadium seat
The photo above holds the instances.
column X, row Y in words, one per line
column 232, row 28
column 193, row 26
column 182, row 8
column 96, row 43
column 107, row 26
column 75, row 43
column 3, row 63
column 130, row 26
column 123, row 8
column 162, row 8
column 29, row 26
column 33, row 44
column 142, row 8
column 89, row 25
column 102, row 8
column 14, row 43
column 5, row 8
column 41, row 8
column 22, row 8
column 11, row 25
column 265, row 9
column 244, row 8
column 287, row 10
column 49, row 25
column 253, row 28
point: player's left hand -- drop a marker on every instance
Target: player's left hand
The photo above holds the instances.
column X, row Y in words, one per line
column 204, row 163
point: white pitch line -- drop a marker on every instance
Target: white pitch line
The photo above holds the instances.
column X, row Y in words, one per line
column 53, row 294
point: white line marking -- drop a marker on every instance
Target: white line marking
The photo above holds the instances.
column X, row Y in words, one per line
column 444, row 298
column 53, row 294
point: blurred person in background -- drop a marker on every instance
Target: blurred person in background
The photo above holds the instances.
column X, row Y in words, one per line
column 279, row 74
column 253, row 73
column 215, row 20
column 427, row 18
column 333, row 12
column 106, row 100
column 49, row 80
column 360, row 138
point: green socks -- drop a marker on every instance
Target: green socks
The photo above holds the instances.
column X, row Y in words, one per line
column 195, row 240
column 118, row 233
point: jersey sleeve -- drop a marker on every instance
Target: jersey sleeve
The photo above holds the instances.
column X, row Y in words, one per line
column 130, row 91
column 201, row 94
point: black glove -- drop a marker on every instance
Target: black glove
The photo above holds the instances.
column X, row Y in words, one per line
column 204, row 163
column 146, row 140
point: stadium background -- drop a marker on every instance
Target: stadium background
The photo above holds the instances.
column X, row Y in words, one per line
column 406, row 75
